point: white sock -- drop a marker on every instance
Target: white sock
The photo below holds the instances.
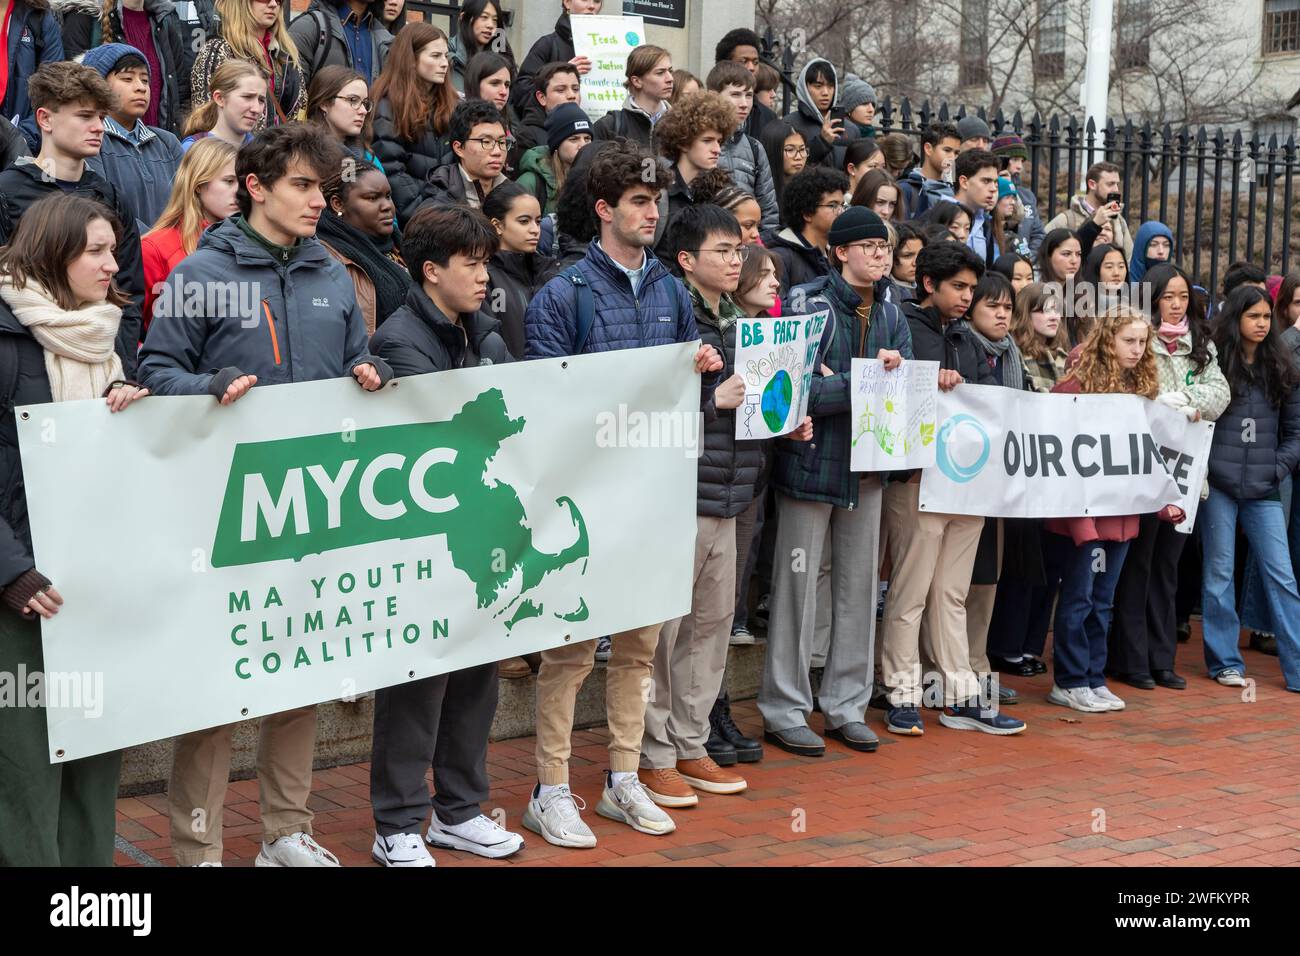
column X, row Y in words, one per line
column 1015, row 660
column 544, row 788
column 617, row 777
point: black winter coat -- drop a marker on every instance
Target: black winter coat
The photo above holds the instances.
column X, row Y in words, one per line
column 408, row 165
column 418, row 338
column 25, row 183
column 23, row 381
column 1249, row 470
column 951, row 346
column 801, row 263
column 12, row 143
column 552, row 48
column 513, row 279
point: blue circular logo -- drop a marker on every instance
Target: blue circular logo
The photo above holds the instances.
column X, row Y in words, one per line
column 948, row 432
column 632, row 38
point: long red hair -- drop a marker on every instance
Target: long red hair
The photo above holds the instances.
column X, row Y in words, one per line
column 416, row 104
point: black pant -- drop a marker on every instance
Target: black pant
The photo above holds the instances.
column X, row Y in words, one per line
column 1144, row 630
column 441, row 722
column 1022, row 613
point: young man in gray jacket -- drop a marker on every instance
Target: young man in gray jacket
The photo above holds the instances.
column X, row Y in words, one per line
column 742, row 155
column 273, row 307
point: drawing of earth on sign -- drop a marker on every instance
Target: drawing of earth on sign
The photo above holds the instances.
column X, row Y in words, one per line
column 777, row 399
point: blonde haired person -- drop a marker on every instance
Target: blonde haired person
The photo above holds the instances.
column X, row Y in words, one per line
column 203, row 193
column 255, row 30
column 236, row 106
column 650, row 86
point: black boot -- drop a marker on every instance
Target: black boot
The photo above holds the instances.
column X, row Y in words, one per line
column 746, row 749
column 717, row 747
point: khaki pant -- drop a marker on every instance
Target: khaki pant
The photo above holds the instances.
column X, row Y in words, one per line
column 627, row 685
column 979, row 612
column 692, row 653
column 201, row 770
column 933, row 556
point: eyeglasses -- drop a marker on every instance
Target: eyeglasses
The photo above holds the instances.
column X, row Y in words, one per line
column 489, row 144
column 796, row 150
column 838, row 206
column 363, row 103
column 874, row 247
column 728, row 253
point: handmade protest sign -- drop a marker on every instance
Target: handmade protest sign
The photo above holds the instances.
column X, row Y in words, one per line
column 314, row 541
column 1005, row 453
column 893, row 415
column 607, row 43
column 777, row 359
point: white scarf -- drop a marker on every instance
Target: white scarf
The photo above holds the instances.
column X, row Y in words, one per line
column 78, row 344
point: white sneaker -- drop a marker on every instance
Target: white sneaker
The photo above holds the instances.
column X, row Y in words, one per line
column 296, row 849
column 482, row 835
column 1077, row 698
column 1232, row 678
column 629, row 803
column 555, row 816
column 1105, row 696
column 400, row 849
column 208, row 863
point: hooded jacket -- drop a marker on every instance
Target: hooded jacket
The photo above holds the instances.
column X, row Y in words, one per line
column 808, row 120
column 1138, row 263
column 83, row 29
column 143, row 163
column 34, row 38
column 446, row 185
column 801, row 263
column 744, row 158
column 513, row 279
column 318, row 34
column 1076, row 215
column 630, row 122
column 419, row 338
column 1250, row 470
column 537, row 176
column 551, row 48
column 25, row 182
column 305, row 324
column 407, row 164
column 819, row 470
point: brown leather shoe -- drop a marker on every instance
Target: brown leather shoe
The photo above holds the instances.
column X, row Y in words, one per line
column 513, row 668
column 704, row 774
column 667, row 788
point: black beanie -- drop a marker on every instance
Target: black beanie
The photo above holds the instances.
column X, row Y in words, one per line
column 565, row 120
column 855, row 224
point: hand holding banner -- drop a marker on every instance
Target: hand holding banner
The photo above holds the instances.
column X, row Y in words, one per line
column 776, row 358
column 893, row 415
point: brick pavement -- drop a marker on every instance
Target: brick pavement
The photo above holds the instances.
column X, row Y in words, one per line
column 1197, row 778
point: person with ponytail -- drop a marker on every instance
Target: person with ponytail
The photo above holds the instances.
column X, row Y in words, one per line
column 203, row 193
column 414, row 100
column 255, row 30
column 1256, row 446
column 59, row 317
column 359, row 229
column 236, row 107
column 1145, row 632
column 1089, row 552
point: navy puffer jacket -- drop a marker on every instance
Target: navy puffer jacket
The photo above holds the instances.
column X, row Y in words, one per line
column 1251, row 469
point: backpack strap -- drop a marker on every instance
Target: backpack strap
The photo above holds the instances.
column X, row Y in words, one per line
column 586, row 307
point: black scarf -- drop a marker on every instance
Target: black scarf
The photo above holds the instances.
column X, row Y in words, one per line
column 391, row 280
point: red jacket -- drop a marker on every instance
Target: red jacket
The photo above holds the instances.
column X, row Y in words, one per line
column 160, row 252
column 1104, row 527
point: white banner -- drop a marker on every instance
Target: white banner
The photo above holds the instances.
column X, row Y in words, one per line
column 607, row 43
column 893, row 415
column 776, row 358
column 314, row 541
column 1012, row 454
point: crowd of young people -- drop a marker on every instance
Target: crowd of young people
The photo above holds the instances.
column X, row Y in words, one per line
column 450, row 207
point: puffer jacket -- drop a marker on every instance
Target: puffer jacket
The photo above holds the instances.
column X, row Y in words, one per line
column 12, row 143
column 659, row 313
column 920, row 194
column 418, row 338
column 290, row 96
column 801, row 263
column 145, row 168
column 305, row 323
column 551, row 48
column 819, row 470
column 808, row 120
column 1249, row 470
column 34, row 39
column 83, row 29
column 743, row 157
column 408, row 165
column 630, row 122
column 537, row 176
column 25, row 182
column 513, row 279
column 332, row 49
column 728, row 468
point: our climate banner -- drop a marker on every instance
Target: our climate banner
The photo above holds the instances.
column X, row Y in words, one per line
column 607, row 42
column 315, row 541
column 777, row 359
column 1012, row 454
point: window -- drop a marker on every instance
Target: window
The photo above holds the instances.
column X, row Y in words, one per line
column 973, row 59
column 902, row 43
column 1134, row 41
column 1049, row 58
column 1282, row 26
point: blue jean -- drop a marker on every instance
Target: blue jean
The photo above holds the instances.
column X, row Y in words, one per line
column 1265, row 530
column 1089, row 575
column 1255, row 615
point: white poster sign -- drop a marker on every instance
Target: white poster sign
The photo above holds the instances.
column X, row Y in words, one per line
column 606, row 42
column 776, row 359
column 893, row 415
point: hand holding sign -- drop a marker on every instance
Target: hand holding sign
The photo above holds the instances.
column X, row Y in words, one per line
column 775, row 359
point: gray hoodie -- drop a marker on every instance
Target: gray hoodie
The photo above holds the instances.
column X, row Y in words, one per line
column 234, row 308
column 808, row 120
